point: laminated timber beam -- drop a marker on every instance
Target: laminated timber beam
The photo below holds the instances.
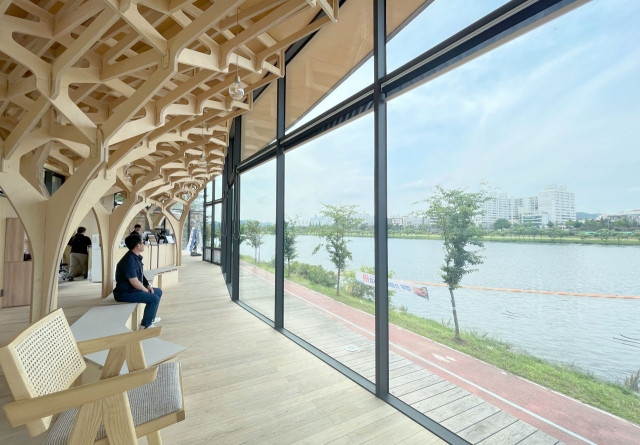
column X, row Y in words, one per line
column 105, row 90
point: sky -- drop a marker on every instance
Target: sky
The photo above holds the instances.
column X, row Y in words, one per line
column 559, row 105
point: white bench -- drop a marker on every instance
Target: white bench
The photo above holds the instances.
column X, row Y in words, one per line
column 115, row 319
column 166, row 276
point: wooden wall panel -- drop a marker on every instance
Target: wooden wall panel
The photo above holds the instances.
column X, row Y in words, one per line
column 17, row 291
column 14, row 241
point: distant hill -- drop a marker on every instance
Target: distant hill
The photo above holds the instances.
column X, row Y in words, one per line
column 584, row 215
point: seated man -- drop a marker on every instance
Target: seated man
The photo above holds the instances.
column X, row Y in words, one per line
column 131, row 284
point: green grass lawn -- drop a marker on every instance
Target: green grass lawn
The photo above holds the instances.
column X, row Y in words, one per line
column 515, row 239
column 611, row 397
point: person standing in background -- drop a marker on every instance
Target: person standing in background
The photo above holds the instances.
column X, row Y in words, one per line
column 79, row 254
column 137, row 230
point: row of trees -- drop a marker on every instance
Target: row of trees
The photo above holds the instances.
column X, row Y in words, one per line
column 335, row 237
column 504, row 228
column 453, row 211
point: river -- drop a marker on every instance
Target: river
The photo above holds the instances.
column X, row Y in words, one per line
column 594, row 334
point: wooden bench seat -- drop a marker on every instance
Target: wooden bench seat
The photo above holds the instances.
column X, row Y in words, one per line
column 103, row 321
column 166, row 276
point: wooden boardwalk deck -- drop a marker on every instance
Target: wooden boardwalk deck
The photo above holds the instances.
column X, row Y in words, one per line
column 244, row 382
column 474, row 419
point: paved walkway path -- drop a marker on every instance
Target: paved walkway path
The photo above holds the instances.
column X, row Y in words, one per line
column 556, row 415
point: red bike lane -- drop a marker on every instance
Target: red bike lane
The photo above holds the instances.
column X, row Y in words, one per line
column 564, row 418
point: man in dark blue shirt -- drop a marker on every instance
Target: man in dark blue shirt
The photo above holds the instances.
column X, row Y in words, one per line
column 131, row 284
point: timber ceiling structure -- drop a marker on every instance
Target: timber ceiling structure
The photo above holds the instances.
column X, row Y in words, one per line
column 142, row 84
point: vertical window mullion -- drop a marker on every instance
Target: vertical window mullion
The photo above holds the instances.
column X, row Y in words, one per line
column 280, row 210
column 380, row 199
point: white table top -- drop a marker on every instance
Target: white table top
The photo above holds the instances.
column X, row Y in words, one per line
column 103, row 321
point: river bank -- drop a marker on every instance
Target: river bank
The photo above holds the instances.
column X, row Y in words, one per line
column 563, row 378
column 494, row 237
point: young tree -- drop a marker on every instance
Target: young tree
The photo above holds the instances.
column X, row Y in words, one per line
column 344, row 220
column 501, row 223
column 553, row 234
column 604, row 235
column 534, row 231
column 252, row 234
column 290, row 241
column 454, row 213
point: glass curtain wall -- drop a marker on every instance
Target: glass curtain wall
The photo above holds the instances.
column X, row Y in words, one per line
column 196, row 226
column 213, row 221
column 208, row 222
column 498, row 171
column 434, row 23
column 217, row 228
column 510, row 189
column 257, row 244
column 328, row 245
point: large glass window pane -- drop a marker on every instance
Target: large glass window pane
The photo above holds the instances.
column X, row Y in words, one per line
column 329, row 244
column 536, row 149
column 217, row 215
column 217, row 188
column 257, row 229
column 209, row 191
column 259, row 124
column 195, row 226
column 208, row 224
column 433, row 24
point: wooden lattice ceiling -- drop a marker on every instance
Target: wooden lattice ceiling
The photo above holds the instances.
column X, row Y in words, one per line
column 143, row 84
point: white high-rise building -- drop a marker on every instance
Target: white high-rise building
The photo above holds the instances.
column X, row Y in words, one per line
column 558, row 203
column 554, row 204
column 498, row 206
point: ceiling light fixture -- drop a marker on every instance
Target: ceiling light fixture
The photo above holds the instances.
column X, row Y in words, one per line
column 202, row 163
column 127, row 175
column 235, row 90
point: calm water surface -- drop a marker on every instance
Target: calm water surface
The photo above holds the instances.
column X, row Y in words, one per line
column 595, row 334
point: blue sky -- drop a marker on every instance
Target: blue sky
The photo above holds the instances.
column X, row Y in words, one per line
column 560, row 104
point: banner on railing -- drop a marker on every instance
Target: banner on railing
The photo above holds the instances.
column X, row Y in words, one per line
column 405, row 287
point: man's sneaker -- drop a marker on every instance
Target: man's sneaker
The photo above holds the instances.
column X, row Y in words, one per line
column 157, row 319
column 147, row 327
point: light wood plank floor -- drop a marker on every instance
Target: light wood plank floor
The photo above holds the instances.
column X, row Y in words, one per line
column 474, row 419
column 244, row 382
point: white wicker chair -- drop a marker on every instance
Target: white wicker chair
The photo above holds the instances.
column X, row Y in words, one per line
column 42, row 363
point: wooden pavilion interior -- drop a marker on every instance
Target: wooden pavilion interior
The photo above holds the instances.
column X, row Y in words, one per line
column 116, row 110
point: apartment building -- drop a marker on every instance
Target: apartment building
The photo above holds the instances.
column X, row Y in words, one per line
column 553, row 204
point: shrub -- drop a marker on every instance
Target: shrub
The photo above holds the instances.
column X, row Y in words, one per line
column 633, row 382
column 315, row 274
column 359, row 290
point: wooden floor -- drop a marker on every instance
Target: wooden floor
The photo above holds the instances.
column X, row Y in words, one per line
column 244, row 382
column 472, row 418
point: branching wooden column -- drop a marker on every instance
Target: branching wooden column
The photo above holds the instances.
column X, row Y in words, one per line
column 127, row 97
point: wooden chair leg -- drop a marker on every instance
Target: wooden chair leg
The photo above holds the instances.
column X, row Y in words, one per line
column 154, row 438
column 85, row 427
column 118, row 420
